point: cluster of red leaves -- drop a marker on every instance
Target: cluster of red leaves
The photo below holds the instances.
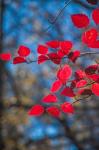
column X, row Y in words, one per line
column 85, row 82
column 63, row 75
column 23, row 52
column 80, row 83
column 62, row 49
column 55, row 111
column 91, row 36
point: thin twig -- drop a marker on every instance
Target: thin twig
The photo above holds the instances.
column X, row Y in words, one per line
column 59, row 14
column 88, row 53
column 80, row 99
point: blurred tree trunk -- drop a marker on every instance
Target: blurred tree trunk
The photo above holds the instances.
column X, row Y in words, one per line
column 70, row 134
column 1, row 72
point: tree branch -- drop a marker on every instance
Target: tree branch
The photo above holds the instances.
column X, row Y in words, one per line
column 59, row 14
column 81, row 55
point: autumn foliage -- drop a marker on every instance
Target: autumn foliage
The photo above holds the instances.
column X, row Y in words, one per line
column 68, row 83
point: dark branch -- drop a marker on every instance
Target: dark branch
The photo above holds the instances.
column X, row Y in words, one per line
column 59, row 14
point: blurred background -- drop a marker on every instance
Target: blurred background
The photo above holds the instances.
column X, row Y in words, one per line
column 26, row 22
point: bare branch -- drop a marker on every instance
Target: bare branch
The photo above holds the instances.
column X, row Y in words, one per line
column 59, row 14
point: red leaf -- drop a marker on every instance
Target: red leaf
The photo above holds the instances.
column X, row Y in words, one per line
column 53, row 111
column 79, row 74
column 42, row 49
column 74, row 55
column 36, row 110
column 80, row 20
column 5, row 56
column 42, row 59
column 53, row 44
column 67, row 91
column 95, row 15
column 67, row 107
column 60, row 53
column 95, row 89
column 64, row 73
column 23, row 51
column 93, row 2
column 50, row 98
column 61, row 78
column 56, row 86
column 81, row 83
column 90, row 36
column 54, row 58
column 94, row 77
column 95, row 44
column 18, row 60
column 91, row 69
column 66, row 46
